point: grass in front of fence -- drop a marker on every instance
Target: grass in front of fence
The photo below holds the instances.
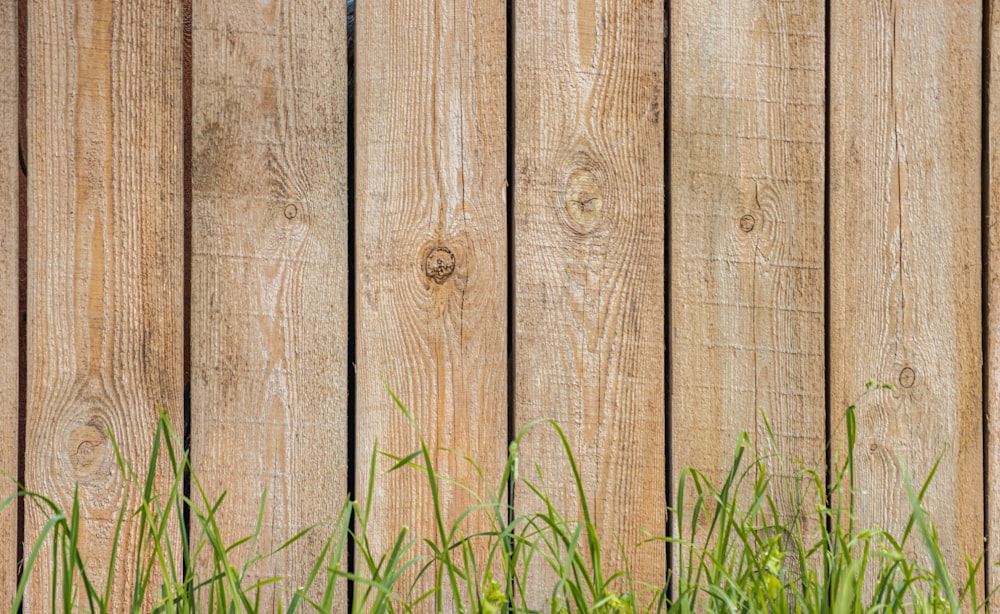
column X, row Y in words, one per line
column 736, row 553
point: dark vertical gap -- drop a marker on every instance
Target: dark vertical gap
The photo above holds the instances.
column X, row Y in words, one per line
column 352, row 440
column 511, row 93
column 511, row 254
column 667, row 371
column 827, row 405
column 985, row 283
column 187, row 87
column 22, row 264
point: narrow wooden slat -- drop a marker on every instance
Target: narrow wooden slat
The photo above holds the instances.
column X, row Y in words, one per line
column 589, row 265
column 105, row 236
column 992, row 290
column 431, row 250
column 9, row 171
column 905, row 272
column 747, row 233
column 269, row 273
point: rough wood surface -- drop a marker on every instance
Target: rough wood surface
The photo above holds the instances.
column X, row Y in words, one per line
column 747, row 233
column 992, row 260
column 431, row 250
column 105, row 237
column 589, row 264
column 905, row 269
column 269, row 272
column 9, row 172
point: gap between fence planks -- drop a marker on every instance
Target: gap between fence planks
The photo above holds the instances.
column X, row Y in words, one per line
column 9, row 316
column 747, row 241
column 905, row 272
column 105, row 234
column 269, row 274
column 589, row 267
column 430, row 256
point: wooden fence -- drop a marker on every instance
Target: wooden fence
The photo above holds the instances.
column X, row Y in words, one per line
column 648, row 222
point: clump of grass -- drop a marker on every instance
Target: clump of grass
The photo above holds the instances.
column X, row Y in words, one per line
column 178, row 567
column 738, row 553
column 735, row 551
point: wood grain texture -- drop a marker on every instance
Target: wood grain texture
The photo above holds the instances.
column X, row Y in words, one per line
column 747, row 156
column 9, row 173
column 105, row 255
column 589, row 265
column 269, row 272
column 431, row 250
column 992, row 260
column 905, row 269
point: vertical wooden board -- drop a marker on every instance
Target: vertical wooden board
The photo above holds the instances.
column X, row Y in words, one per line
column 430, row 252
column 9, row 172
column 269, row 273
column 105, row 256
column 905, row 272
column 992, row 260
column 589, row 266
column 747, row 156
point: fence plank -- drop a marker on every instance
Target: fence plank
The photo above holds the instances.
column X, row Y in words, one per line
column 105, row 236
column 431, row 248
column 905, row 270
column 9, row 172
column 269, row 274
column 589, row 263
column 747, row 240
column 992, row 260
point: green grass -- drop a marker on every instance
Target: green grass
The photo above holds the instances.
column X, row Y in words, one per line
column 736, row 549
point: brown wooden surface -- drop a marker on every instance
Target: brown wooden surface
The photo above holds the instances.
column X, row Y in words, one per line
column 905, row 268
column 589, row 265
column 747, row 233
column 430, row 155
column 9, row 172
column 269, row 254
column 105, row 237
column 992, row 261
column 269, row 274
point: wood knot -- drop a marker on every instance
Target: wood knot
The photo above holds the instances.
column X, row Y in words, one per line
column 291, row 211
column 88, row 446
column 907, row 377
column 584, row 199
column 747, row 222
column 440, row 264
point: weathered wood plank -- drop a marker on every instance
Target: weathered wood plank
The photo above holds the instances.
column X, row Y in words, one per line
column 269, row 274
column 589, row 264
column 992, row 427
column 9, row 316
column 747, row 156
column 105, row 236
column 431, row 248
column 905, row 272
